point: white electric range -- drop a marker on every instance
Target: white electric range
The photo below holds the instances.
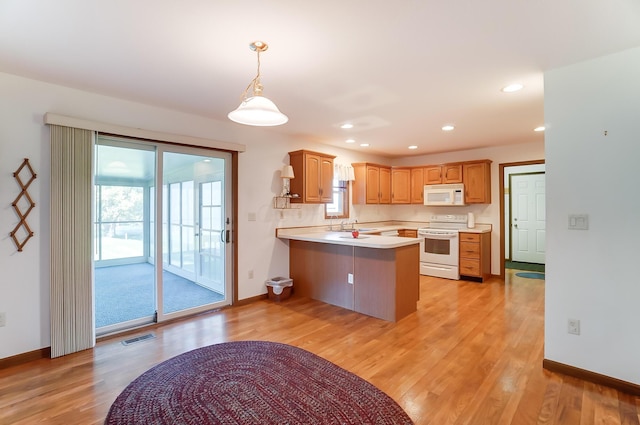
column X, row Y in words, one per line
column 439, row 247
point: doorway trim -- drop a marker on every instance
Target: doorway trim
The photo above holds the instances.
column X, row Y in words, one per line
column 501, row 168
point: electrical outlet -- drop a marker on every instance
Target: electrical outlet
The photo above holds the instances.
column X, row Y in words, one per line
column 574, row 327
column 3, row 319
column 350, row 278
column 250, row 274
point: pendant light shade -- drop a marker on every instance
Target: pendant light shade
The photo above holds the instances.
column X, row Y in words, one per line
column 256, row 109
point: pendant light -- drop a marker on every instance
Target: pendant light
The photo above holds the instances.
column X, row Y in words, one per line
column 257, row 110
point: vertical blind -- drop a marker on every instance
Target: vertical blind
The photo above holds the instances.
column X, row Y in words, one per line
column 72, row 322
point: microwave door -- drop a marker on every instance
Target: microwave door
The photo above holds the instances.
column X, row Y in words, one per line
column 438, row 197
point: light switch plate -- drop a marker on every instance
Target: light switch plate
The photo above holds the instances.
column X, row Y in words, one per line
column 578, row 221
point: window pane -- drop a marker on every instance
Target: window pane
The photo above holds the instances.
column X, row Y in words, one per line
column 339, row 207
column 187, row 203
column 119, row 222
column 175, row 257
column 188, row 259
column 174, row 203
column 216, row 193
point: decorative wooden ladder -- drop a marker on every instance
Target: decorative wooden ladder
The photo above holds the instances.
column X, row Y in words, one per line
column 26, row 230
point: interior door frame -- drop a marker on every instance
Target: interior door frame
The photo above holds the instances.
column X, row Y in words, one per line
column 501, row 168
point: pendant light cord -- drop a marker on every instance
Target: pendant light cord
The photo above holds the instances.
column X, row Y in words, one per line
column 257, row 87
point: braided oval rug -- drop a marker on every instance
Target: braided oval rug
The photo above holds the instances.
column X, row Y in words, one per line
column 252, row 382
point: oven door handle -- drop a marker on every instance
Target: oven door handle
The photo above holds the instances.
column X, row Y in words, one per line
column 444, row 269
column 442, row 237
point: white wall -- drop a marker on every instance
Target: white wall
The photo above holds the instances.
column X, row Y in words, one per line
column 592, row 112
column 24, row 282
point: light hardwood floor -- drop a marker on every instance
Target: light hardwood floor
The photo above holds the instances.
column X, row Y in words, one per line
column 472, row 354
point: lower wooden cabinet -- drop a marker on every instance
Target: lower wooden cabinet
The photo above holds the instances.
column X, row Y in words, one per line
column 408, row 233
column 475, row 255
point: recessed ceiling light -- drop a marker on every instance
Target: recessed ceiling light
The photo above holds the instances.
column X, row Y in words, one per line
column 346, row 126
column 413, row 147
column 116, row 164
column 447, row 128
column 349, row 141
column 512, row 87
column 364, row 145
column 541, row 128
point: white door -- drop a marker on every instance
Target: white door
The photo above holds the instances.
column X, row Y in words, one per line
column 528, row 219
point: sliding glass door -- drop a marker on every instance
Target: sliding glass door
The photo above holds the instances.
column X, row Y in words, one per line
column 195, row 212
column 160, row 250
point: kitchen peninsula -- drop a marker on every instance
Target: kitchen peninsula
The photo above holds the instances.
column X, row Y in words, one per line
column 375, row 275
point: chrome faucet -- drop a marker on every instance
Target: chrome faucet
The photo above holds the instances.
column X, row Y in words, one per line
column 331, row 222
column 343, row 222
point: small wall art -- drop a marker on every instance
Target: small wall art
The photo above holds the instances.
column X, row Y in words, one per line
column 23, row 204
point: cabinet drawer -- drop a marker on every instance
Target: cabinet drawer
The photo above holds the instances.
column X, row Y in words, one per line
column 469, row 267
column 470, row 249
column 408, row 233
column 470, row 237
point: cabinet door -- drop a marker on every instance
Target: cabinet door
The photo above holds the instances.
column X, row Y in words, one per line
column 373, row 185
column 326, row 180
column 452, row 173
column 417, row 186
column 477, row 182
column 433, row 174
column 385, row 185
column 313, row 164
column 400, row 186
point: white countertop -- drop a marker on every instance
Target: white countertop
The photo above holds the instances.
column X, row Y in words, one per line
column 479, row 228
column 323, row 235
column 345, row 238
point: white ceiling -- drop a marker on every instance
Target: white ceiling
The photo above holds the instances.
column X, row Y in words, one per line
column 398, row 69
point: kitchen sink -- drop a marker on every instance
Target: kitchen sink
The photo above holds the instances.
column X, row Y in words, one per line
column 362, row 229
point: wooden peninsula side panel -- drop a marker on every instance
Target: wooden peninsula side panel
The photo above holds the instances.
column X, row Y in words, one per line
column 319, row 271
column 386, row 281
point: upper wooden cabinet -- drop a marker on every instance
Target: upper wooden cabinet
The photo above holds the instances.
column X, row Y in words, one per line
column 400, row 185
column 379, row 184
column 417, row 185
column 477, row 182
column 372, row 184
column 313, row 177
column 446, row 173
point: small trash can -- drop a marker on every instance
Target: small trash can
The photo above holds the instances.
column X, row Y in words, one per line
column 279, row 288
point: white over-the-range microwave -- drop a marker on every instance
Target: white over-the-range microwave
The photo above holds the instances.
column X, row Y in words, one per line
column 444, row 194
